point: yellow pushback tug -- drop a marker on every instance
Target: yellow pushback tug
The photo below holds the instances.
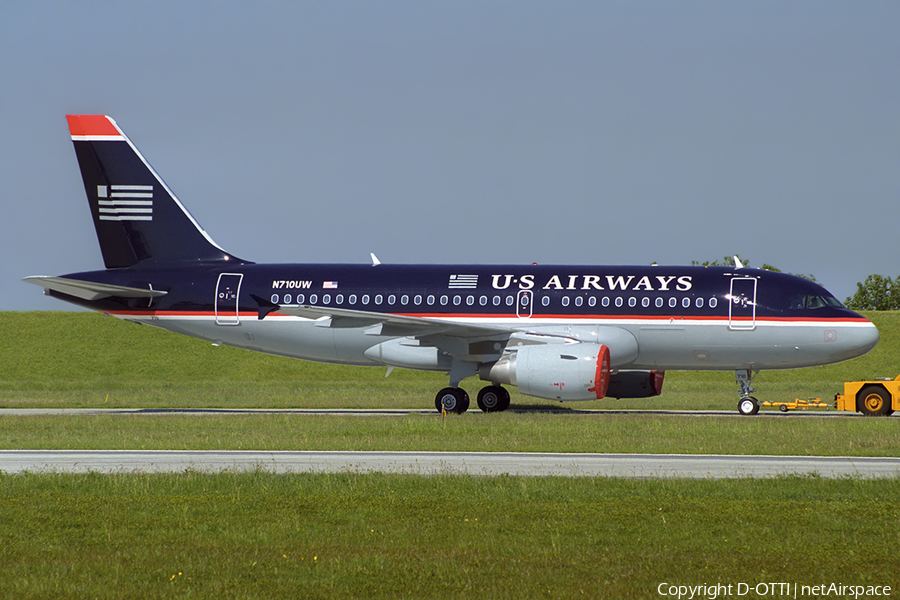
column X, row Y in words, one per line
column 872, row 397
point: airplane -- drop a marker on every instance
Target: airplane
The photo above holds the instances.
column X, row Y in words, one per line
column 566, row 333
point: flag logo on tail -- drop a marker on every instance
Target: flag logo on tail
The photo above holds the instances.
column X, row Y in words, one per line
column 125, row 202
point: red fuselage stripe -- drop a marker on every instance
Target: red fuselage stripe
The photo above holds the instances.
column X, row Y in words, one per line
column 513, row 316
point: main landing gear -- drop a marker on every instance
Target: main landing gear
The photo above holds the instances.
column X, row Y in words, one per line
column 747, row 405
column 492, row 398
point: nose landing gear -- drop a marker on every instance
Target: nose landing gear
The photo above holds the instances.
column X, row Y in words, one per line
column 747, row 405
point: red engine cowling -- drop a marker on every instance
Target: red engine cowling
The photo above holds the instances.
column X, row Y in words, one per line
column 555, row 371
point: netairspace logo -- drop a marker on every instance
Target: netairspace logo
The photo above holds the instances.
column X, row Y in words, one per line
column 771, row 590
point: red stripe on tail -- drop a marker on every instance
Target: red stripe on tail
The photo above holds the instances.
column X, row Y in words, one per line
column 91, row 125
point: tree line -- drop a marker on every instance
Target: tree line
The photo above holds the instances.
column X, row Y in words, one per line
column 875, row 293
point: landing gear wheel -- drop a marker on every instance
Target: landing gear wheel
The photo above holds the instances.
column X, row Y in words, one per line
column 873, row 401
column 783, row 408
column 748, row 405
column 452, row 399
column 493, row 398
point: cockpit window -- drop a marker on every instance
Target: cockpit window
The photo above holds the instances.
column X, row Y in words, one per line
column 813, row 301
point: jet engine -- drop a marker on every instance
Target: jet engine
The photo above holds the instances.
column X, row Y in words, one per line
column 577, row 371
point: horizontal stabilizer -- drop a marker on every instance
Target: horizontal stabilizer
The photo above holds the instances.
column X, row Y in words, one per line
column 90, row 290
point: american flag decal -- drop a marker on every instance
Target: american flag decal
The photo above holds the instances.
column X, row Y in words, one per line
column 125, row 202
column 330, row 285
column 463, row 282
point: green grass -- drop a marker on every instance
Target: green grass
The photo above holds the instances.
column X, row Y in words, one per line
column 261, row 535
column 86, row 360
column 516, row 432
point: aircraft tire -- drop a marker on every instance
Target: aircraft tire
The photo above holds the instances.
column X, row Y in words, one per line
column 873, row 401
column 504, row 399
column 748, row 405
column 452, row 399
column 493, row 398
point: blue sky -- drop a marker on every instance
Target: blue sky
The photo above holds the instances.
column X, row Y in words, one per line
column 467, row 132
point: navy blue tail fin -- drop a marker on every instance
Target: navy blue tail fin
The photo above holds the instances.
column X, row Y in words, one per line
column 138, row 219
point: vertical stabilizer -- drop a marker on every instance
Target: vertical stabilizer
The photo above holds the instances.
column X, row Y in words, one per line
column 138, row 219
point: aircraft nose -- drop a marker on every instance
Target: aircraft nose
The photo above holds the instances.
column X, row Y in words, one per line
column 865, row 337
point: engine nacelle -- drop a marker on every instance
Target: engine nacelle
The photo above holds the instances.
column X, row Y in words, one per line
column 554, row 371
column 635, row 384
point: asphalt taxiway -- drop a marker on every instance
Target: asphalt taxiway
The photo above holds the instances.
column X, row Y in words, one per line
column 703, row 466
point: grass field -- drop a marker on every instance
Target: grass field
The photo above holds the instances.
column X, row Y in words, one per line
column 508, row 432
column 86, row 360
column 260, row 535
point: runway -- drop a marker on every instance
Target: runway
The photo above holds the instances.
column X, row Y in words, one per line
column 703, row 466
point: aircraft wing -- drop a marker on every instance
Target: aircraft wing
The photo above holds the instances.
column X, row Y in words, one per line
column 90, row 290
column 381, row 323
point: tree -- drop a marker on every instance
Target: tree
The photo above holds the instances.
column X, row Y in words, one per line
column 728, row 261
column 877, row 293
